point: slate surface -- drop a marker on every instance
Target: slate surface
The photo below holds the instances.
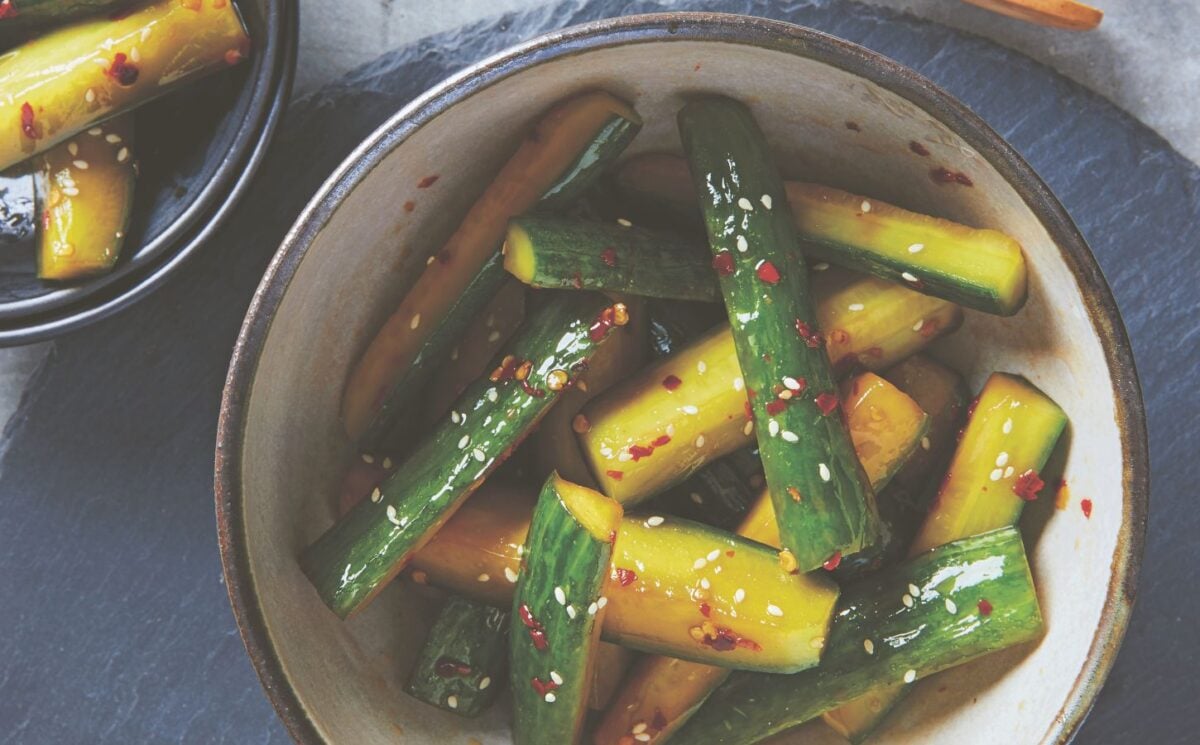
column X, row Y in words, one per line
column 114, row 625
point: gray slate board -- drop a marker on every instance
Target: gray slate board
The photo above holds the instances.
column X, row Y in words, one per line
column 114, row 625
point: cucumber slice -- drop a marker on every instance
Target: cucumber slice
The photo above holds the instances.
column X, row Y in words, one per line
column 564, row 254
column 463, row 661
column 24, row 15
column 356, row 557
column 87, row 196
column 560, row 138
column 59, row 84
column 1012, row 424
column 973, row 597
column 699, row 392
column 557, row 611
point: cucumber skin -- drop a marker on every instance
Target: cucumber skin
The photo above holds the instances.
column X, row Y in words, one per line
column 469, row 633
column 750, row 707
column 34, row 13
column 607, row 144
column 730, row 163
column 362, row 551
column 559, row 552
column 411, row 384
column 571, row 254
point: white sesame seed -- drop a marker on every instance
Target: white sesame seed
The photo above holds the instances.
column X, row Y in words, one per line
column 1009, row 471
column 749, row 428
column 550, row 697
column 72, row 148
column 739, row 595
column 112, row 138
column 556, row 677
column 916, row 248
column 592, row 609
column 705, row 584
column 571, row 612
column 387, row 463
column 90, row 95
column 654, row 521
column 455, row 417
column 368, row 458
column 817, row 642
column 925, row 443
column 738, row 384
column 452, row 701
column 1002, row 458
column 997, row 474
column 789, row 436
column 701, row 367
column 391, row 516
column 869, row 646
column 824, row 471
column 695, row 496
column 95, row 131
column 638, row 728
column 624, row 223
column 146, row 33
column 1008, row 425
column 714, row 554
column 493, row 337
column 700, row 563
column 910, row 676
column 601, row 601
column 123, row 155
column 70, row 191
column 774, row 610
column 745, row 204
column 644, row 737
column 670, row 430
column 791, row 383
column 376, row 495
column 907, row 600
column 820, row 266
column 914, row 590
column 919, row 325
column 855, row 306
column 950, row 606
column 700, row 441
column 493, row 395
column 134, row 55
column 479, row 454
column 430, row 260
column 464, row 441
column 742, row 244
column 416, row 321
column 99, row 61
column 766, row 200
column 80, row 164
column 560, row 596
column 510, row 575
column 773, row 428
column 484, row 682
column 624, row 457
column 909, row 277
column 689, row 409
column 484, row 577
column 865, row 206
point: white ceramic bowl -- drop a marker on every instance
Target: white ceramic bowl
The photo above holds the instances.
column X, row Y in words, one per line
column 352, row 254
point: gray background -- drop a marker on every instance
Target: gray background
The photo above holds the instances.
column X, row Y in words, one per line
column 113, row 621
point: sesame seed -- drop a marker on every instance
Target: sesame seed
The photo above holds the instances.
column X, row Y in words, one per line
column 869, row 646
column 700, row 441
column 997, row 474
column 907, row 600
column 376, row 495
column 391, row 516
column 950, row 606
column 749, row 428
column 700, row 563
column 368, row 458
column 774, row 610
column 773, row 427
column 464, row 441
column 70, row 191
column 95, row 131
column 624, row 223
column 919, row 325
column 766, row 200
column 824, row 471
column 387, row 463
column 90, row 95
column 416, row 321
column 925, row 443
column 123, row 155
column 738, row 384
column 484, row 682
column 820, row 266
column 745, row 204
column 670, row 430
column 1002, row 458
column 654, row 521
column 697, row 498
column 510, row 574
column 430, row 260
column 493, row 395
column 855, row 306
column 452, row 701
column 689, row 409
column 134, row 55
column 742, row 244
column 909, row 277
column 791, row 383
column 712, row 555
column 571, row 612
column 80, row 164
column 101, row 62
column 701, row 367
column 817, row 642
column 146, row 33
column 644, row 737
column 789, row 436
column 72, row 148
column 455, row 417
column 865, row 206
column 910, row 676
column 560, row 596
column 493, row 337
column 705, row 584
column 1008, row 425
column 556, row 677
column 638, row 728
column 1009, row 471
column 914, row 590
column 550, row 697
column 592, row 609
column 601, row 601
column 739, row 595
column 624, row 457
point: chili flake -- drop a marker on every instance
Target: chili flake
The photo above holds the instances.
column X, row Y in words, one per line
column 537, row 632
column 618, row 475
column 660, row 441
column 449, row 668
column 637, row 452
column 671, row 382
column 723, row 263
column 1086, row 506
column 985, row 608
column 918, row 148
column 776, row 407
column 626, row 577
column 609, row 256
column 767, row 272
column 832, row 562
column 705, row 610
column 428, row 181
column 122, row 70
column 1028, row 485
column 27, row 121
column 543, row 687
column 7, row 9
column 943, row 175
column 809, row 335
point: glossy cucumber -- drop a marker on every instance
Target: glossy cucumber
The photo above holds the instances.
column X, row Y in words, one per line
column 87, row 196
column 18, row 16
column 551, row 152
column 557, row 611
column 563, row 253
column 464, row 658
column 972, row 597
column 359, row 554
column 63, row 82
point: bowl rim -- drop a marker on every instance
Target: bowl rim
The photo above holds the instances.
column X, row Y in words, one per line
column 66, row 309
column 687, row 26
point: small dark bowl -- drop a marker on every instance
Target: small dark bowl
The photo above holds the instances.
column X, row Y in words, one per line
column 199, row 149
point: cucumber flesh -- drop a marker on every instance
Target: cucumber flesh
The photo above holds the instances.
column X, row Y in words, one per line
column 463, row 661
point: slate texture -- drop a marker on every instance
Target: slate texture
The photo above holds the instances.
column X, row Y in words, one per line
column 114, row 624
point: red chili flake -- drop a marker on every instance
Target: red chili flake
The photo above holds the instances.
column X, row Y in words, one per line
column 930, row 328
column 827, row 402
column 1028, row 485
column 428, row 181
column 839, row 336
column 729, row 553
column 660, row 441
column 609, row 256
column 942, row 175
column 543, row 687
column 530, row 390
column 749, row 411
column 723, row 263
column 726, row 640
column 618, row 475
column 410, row 206
column 658, row 721
column 696, row 67
column 602, row 325
column 27, row 117
column 448, row 668
column 7, row 9
column 985, row 608
column 832, row 562
column 810, row 336
column 537, row 632
column 671, row 382
column 776, row 407
column 637, row 452
column 626, row 577
column 767, row 272
column 918, row 148
column 853, row 127
column 122, row 70
column 612, row 536
column 1086, row 506
column 705, row 610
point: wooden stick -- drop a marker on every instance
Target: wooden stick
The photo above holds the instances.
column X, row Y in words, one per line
column 1066, row 14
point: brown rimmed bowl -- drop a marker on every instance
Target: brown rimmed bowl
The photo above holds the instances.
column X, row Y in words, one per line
column 280, row 450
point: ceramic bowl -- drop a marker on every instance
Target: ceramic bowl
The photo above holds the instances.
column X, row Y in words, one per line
column 198, row 149
column 834, row 112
